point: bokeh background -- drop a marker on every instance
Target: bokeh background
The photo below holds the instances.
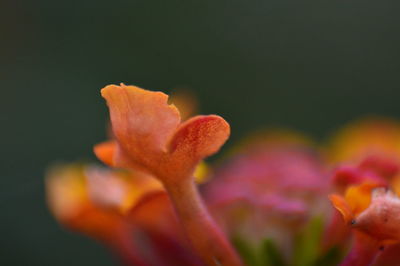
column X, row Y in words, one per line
column 309, row 65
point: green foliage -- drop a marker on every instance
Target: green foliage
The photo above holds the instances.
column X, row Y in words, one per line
column 246, row 251
column 270, row 254
column 331, row 258
column 307, row 249
column 265, row 254
column 307, row 244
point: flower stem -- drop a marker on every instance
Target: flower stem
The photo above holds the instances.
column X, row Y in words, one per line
column 207, row 239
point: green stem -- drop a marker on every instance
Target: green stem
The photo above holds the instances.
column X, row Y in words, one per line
column 203, row 233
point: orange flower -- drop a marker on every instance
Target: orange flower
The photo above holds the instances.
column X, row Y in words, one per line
column 150, row 137
column 69, row 199
column 356, row 200
column 109, row 206
column 372, row 212
column 370, row 150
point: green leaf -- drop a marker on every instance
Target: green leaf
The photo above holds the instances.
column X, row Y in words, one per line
column 308, row 243
column 246, row 251
column 270, row 255
column 331, row 258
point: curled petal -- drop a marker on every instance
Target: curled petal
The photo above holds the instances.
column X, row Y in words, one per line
column 142, row 121
column 69, row 200
column 105, row 152
column 381, row 219
column 197, row 138
column 342, row 206
column 359, row 197
column 66, row 192
column 356, row 200
column 106, row 189
column 119, row 190
column 150, row 138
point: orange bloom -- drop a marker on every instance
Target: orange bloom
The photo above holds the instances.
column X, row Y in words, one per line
column 370, row 149
column 109, row 206
column 149, row 134
column 372, row 212
column 70, row 201
column 150, row 137
column 355, row 201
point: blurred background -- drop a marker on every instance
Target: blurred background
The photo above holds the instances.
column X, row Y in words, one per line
column 307, row 65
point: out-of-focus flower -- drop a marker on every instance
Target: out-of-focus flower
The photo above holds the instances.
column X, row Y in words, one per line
column 355, row 201
column 108, row 206
column 269, row 189
column 70, row 200
column 376, row 137
column 269, row 196
column 368, row 152
column 372, row 212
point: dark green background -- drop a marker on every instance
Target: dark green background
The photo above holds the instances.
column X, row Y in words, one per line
column 307, row 65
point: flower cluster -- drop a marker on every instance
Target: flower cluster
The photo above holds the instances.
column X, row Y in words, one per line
column 276, row 199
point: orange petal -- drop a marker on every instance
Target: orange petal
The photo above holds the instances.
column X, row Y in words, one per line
column 142, row 121
column 155, row 212
column 99, row 224
column 118, row 190
column 359, row 197
column 140, row 185
column 66, row 191
column 68, row 199
column 342, row 206
column 105, row 152
column 197, row 138
column 381, row 219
